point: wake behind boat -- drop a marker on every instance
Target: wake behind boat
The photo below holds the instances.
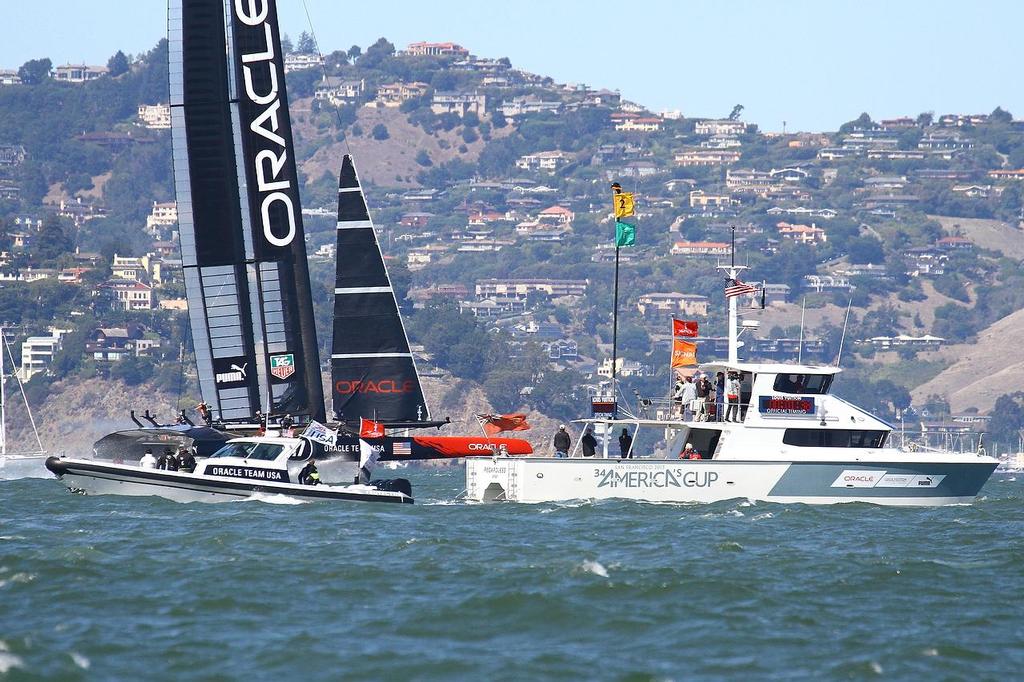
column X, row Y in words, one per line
column 242, row 468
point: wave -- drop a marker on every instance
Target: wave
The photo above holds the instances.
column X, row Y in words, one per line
column 275, row 498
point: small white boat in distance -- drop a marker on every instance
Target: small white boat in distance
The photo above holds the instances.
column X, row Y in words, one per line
column 240, row 469
column 15, row 465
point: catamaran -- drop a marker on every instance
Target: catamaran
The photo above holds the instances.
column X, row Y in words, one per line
column 791, row 440
column 15, row 465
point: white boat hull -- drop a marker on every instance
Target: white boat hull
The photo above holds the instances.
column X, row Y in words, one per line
column 95, row 478
column 13, row 467
column 537, row 479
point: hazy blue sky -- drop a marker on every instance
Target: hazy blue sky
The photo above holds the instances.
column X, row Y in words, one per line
column 812, row 64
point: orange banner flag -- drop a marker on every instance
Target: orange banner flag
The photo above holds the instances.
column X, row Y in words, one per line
column 684, row 353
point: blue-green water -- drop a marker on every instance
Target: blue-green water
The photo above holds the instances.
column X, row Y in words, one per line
column 143, row 588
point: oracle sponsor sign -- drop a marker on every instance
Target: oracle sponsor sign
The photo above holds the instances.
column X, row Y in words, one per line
column 771, row 404
column 855, row 478
column 345, row 387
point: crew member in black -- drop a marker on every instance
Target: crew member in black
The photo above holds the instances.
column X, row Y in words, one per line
column 562, row 442
column 625, row 440
column 589, row 444
column 309, row 474
column 186, row 460
column 288, row 422
column 167, row 461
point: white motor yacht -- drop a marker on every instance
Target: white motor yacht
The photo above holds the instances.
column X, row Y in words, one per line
column 791, row 440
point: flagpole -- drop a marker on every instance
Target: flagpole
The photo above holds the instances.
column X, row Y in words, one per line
column 615, row 333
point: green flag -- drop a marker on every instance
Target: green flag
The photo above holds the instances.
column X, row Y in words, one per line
column 625, row 233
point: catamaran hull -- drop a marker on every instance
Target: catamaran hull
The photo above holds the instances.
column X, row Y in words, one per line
column 534, row 479
column 92, row 478
column 14, row 467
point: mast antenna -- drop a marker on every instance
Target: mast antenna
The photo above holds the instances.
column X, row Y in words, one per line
column 842, row 339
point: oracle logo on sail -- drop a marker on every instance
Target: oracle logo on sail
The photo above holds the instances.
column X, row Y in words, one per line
column 383, row 386
column 269, row 164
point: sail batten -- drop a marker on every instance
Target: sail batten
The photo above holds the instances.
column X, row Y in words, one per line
column 373, row 370
column 242, row 239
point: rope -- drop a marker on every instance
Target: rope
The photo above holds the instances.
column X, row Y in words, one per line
column 323, row 69
column 21, row 386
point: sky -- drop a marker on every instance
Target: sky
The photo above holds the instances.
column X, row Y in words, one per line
column 812, row 65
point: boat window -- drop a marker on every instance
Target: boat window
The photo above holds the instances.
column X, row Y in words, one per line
column 234, row 450
column 817, row 384
column 834, row 438
column 266, row 451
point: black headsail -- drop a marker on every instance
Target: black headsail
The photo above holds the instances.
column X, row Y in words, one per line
column 373, row 374
column 242, row 239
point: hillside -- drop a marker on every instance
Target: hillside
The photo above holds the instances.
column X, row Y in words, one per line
column 995, row 235
column 981, row 371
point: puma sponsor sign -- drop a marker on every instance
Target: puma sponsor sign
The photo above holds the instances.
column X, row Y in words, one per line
column 231, row 372
column 282, row 366
column 265, row 126
column 853, row 478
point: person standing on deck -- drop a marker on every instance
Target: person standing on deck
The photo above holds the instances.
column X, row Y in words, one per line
column 719, row 396
column 732, row 394
column 703, row 389
column 589, row 443
column 562, row 443
column 625, row 442
column 148, row 461
column 688, row 396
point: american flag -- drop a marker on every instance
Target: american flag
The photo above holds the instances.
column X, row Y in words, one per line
column 734, row 288
column 401, row 447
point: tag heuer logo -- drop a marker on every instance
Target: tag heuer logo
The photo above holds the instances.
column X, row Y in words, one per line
column 282, row 366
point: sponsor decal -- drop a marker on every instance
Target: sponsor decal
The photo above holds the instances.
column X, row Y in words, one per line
column 252, row 473
column 856, row 478
column 345, row 387
column 282, row 366
column 401, row 447
column 770, row 404
column 676, row 477
column 318, row 433
column 260, row 65
column 853, row 478
column 230, row 372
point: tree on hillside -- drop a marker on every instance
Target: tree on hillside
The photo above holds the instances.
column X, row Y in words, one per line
column 925, row 118
column 306, row 43
column 380, row 132
column 1000, row 115
column 118, row 64
column 862, row 121
column 1007, row 424
column 35, row 71
column 354, row 52
column 54, row 240
column 498, row 119
column 734, row 115
column 287, row 47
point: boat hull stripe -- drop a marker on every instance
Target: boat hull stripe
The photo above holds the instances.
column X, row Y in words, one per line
column 362, row 290
column 350, row 356
column 355, row 224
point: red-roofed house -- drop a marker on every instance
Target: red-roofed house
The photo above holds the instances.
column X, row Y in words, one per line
column 556, row 215
column 802, row 234
column 700, row 249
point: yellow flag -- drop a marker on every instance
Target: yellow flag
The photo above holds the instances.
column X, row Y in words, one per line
column 623, row 202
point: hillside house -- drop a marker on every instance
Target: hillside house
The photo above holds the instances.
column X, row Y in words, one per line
column 802, row 234
column 820, row 283
column 722, row 142
column 1007, row 174
column 624, row 368
column 436, row 50
column 671, row 303
column 556, row 215
column 926, row 342
column 339, row 91
column 415, row 219
column 640, row 125
column 459, row 103
column 493, row 307
column 37, row 353
column 720, row 127
column 961, row 120
column 131, row 296
column 886, row 183
column 78, row 73
column 298, row 61
column 155, row 116
column 113, row 344
column 760, row 183
column 162, row 215
column 521, row 288
column 701, row 199
column 706, row 157
column 955, row 243
column 11, row 155
column 529, row 104
column 9, row 77
column 394, row 94
column 976, row 191
column 945, row 140
column 800, row 211
column 925, row 261
column 544, row 161
column 897, row 154
column 72, row 275
column 700, row 249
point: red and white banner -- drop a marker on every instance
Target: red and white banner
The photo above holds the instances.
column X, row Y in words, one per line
column 370, row 429
column 686, row 329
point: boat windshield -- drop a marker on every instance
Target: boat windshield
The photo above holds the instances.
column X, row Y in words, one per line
column 817, row 384
column 264, row 451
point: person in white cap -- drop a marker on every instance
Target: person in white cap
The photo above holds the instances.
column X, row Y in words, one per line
column 562, row 442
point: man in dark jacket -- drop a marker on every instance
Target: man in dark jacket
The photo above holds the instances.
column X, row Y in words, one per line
column 167, row 461
column 309, row 474
column 625, row 441
column 186, row 460
column 562, row 442
column 589, row 444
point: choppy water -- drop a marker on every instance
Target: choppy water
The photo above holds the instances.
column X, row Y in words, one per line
column 143, row 588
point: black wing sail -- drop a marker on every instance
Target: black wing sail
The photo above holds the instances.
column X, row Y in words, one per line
column 242, row 240
column 372, row 369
